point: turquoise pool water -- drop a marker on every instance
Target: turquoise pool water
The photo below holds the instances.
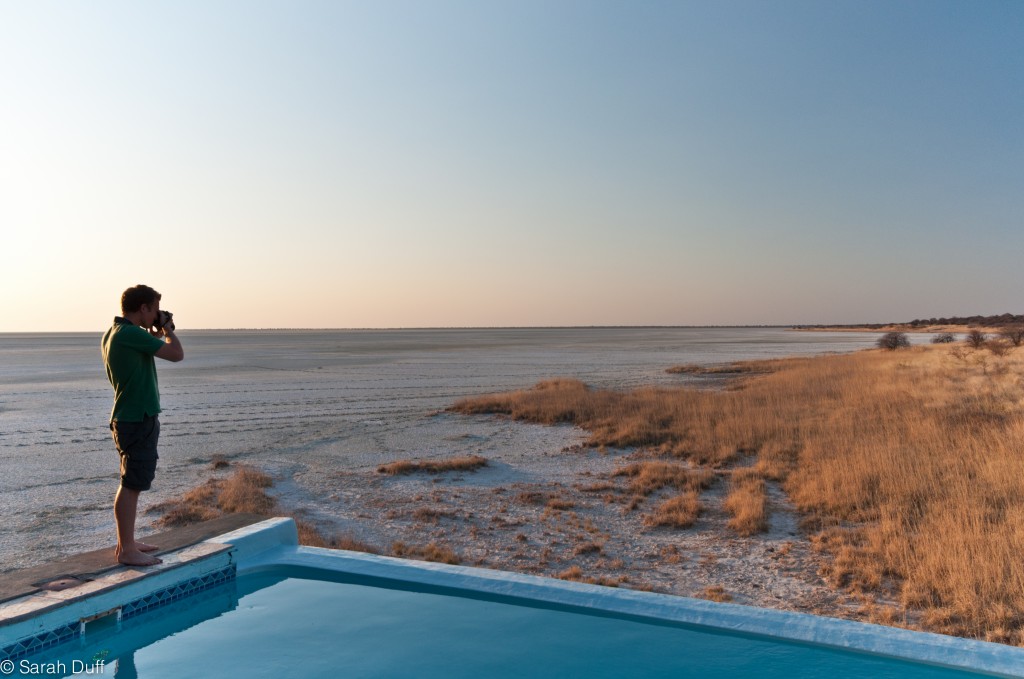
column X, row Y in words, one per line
column 288, row 623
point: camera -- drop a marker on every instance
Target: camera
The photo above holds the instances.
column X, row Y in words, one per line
column 163, row 318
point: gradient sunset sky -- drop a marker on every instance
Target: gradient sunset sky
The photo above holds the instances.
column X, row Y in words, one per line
column 511, row 163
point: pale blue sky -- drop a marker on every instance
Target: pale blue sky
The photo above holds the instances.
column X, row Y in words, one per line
column 396, row 164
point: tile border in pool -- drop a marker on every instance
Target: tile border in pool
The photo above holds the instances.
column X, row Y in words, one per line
column 40, row 642
column 177, row 592
column 126, row 594
column 71, row 630
column 274, row 543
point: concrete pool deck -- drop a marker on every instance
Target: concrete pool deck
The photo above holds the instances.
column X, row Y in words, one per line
column 52, row 604
column 89, row 566
column 273, row 544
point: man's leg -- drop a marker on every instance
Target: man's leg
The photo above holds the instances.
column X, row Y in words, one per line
column 126, row 504
column 136, row 443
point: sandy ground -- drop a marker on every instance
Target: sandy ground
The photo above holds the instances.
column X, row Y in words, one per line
column 547, row 513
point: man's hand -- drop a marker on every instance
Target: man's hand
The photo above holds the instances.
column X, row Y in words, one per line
column 164, row 324
column 171, row 350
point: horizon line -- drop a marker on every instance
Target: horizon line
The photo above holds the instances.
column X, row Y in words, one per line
column 483, row 327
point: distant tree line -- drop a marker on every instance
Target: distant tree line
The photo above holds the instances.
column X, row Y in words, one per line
column 988, row 321
column 1000, row 321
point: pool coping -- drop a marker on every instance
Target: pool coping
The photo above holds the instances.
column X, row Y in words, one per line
column 42, row 620
column 52, row 618
column 91, row 565
column 49, row 604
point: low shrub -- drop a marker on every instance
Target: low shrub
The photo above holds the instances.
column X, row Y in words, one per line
column 1014, row 335
column 976, row 339
column 893, row 341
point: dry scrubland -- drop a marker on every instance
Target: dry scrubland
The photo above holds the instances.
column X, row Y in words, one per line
column 245, row 491
column 907, row 468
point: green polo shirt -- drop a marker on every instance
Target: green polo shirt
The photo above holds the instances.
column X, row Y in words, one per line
column 128, row 352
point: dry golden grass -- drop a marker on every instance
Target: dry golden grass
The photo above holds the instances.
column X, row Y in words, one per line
column 575, row 574
column 747, row 502
column 453, row 464
column 670, row 554
column 599, row 487
column 243, row 493
column 431, row 515
column 677, row 512
column 550, row 402
column 734, row 368
column 311, row 536
column 198, row 504
column 186, row 515
column 588, row 548
column 429, row 552
column 911, row 463
column 650, row 476
column 715, row 593
column 534, row 497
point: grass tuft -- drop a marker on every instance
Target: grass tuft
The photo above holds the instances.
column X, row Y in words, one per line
column 575, row 574
column 243, row 493
column 467, row 463
column 726, row 369
column 715, row 593
column 648, row 477
column 311, row 536
column 430, row 552
column 747, row 502
column 677, row 512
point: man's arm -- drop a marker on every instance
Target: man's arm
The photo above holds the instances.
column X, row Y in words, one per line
column 172, row 349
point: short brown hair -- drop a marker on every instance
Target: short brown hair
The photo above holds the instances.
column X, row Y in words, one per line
column 133, row 298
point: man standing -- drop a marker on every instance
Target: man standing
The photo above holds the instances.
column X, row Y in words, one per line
column 144, row 331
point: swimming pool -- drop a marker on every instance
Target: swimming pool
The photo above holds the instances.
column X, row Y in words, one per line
column 305, row 612
column 311, row 623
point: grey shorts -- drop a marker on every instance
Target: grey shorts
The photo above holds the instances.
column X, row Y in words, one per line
column 136, row 443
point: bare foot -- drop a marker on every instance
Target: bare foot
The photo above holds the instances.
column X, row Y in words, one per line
column 143, row 547
column 133, row 557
